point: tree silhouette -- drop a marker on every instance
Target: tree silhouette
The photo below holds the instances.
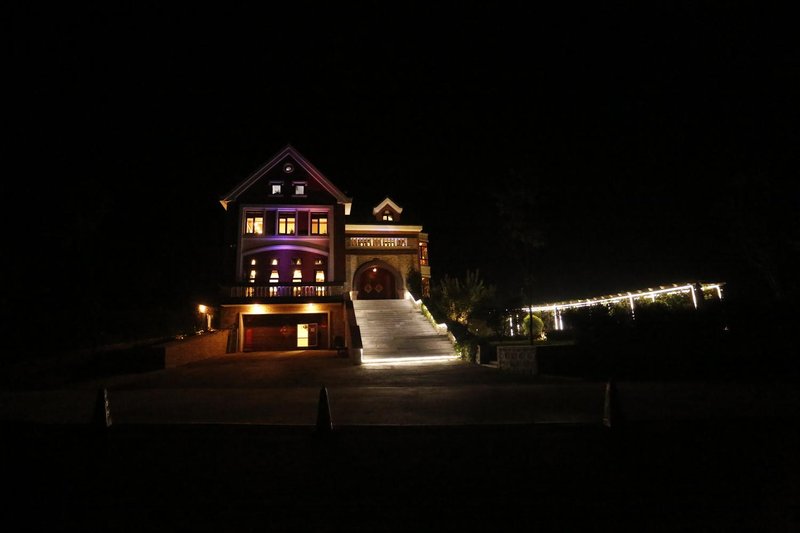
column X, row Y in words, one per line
column 762, row 218
column 517, row 204
column 460, row 297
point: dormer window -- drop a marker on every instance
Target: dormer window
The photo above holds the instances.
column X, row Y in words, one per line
column 297, row 261
column 387, row 211
column 253, row 262
column 274, row 261
column 275, row 188
column 299, row 188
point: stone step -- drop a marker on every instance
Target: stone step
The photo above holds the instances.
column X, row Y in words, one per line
column 395, row 328
column 406, row 345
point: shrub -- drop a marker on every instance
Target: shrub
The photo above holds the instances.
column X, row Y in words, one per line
column 538, row 326
column 414, row 282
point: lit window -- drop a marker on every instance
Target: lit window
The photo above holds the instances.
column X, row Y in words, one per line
column 299, row 189
column 254, row 224
column 387, row 216
column 273, row 277
column 252, row 276
column 317, row 261
column 274, row 262
column 275, row 188
column 319, row 223
column 319, row 276
column 297, row 261
column 423, row 253
column 286, row 224
column 253, row 262
column 297, row 276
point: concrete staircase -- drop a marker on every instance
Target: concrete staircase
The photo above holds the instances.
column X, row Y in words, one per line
column 395, row 329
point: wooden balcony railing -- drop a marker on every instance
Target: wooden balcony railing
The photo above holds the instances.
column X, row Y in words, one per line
column 287, row 290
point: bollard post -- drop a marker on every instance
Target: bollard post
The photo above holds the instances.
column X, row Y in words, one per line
column 99, row 430
column 324, row 425
column 611, row 415
column 324, row 422
column 102, row 410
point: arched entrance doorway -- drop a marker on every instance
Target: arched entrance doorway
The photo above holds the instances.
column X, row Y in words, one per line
column 376, row 283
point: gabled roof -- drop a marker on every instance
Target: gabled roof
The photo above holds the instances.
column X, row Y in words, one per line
column 290, row 151
column 363, row 210
column 387, row 202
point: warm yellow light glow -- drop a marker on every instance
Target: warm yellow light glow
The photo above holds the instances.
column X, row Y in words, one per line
column 675, row 289
column 286, row 224
column 258, row 309
column 302, row 335
column 409, row 361
column 378, row 242
column 202, row 308
column 319, row 276
column 374, row 269
column 319, row 224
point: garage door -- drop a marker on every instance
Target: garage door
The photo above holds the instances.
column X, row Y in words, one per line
column 285, row 332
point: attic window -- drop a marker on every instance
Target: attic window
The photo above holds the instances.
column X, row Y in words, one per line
column 387, row 215
column 288, row 168
column 275, row 188
column 299, row 188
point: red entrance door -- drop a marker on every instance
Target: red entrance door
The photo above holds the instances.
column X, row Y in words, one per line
column 376, row 283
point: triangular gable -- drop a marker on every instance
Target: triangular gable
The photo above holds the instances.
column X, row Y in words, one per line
column 300, row 160
column 387, row 202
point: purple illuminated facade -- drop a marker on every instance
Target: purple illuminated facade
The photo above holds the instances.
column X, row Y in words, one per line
column 293, row 258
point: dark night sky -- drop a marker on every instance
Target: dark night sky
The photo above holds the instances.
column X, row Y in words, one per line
column 633, row 123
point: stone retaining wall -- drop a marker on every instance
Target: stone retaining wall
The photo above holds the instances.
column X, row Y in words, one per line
column 194, row 348
column 518, row 359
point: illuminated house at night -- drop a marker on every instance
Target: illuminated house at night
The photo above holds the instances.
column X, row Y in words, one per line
column 295, row 255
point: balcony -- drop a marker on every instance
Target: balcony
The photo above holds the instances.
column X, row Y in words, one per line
column 303, row 291
column 379, row 242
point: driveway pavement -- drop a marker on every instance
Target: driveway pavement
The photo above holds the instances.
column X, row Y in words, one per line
column 228, row 444
column 283, row 388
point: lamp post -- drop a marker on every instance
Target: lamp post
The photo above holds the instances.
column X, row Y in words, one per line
column 203, row 310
